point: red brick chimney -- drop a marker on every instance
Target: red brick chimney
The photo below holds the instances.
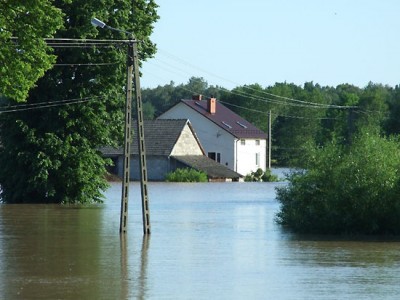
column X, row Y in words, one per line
column 197, row 97
column 212, row 105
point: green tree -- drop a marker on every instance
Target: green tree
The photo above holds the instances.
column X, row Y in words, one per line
column 345, row 189
column 24, row 55
column 339, row 123
column 50, row 154
column 373, row 107
column 299, row 124
column 392, row 126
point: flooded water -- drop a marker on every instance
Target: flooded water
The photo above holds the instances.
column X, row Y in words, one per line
column 208, row 241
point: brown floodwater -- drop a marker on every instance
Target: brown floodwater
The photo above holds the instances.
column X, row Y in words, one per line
column 208, row 241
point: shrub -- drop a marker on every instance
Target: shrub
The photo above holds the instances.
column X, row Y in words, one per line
column 259, row 175
column 186, row 175
column 351, row 189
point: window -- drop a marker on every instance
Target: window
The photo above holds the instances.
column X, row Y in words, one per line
column 242, row 142
column 227, row 125
column 211, row 155
column 215, row 156
column 257, row 159
column 241, row 124
column 257, row 142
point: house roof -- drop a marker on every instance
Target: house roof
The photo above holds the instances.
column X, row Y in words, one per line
column 163, row 135
column 212, row 168
column 227, row 120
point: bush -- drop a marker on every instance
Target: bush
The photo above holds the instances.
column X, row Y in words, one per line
column 352, row 190
column 186, row 175
column 259, row 175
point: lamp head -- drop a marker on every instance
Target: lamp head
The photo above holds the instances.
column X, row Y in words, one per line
column 97, row 23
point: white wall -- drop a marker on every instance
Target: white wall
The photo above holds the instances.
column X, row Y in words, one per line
column 246, row 156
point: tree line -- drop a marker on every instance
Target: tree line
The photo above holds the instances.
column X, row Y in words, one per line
column 301, row 115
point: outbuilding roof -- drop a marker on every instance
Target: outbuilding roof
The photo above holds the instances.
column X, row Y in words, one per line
column 227, row 119
column 213, row 169
column 160, row 137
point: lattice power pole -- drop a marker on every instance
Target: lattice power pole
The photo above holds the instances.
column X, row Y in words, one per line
column 132, row 69
column 141, row 144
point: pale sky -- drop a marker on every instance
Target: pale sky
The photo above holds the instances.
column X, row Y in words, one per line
column 235, row 42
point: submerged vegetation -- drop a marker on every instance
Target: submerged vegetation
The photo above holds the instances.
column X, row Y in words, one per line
column 186, row 175
column 346, row 189
column 261, row 176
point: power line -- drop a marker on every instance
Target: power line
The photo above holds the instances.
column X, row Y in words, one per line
column 71, row 41
column 48, row 104
column 278, row 115
column 258, row 98
column 89, row 64
column 311, row 104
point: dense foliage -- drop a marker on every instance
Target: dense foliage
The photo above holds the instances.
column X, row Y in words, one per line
column 346, row 189
column 24, row 60
column 49, row 154
column 186, row 175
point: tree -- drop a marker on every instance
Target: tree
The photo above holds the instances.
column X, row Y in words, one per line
column 50, row 154
column 25, row 58
column 346, row 189
column 339, row 123
column 392, row 125
column 299, row 123
column 373, row 106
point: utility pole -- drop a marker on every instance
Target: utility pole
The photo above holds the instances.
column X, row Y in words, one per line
column 132, row 68
column 141, row 145
column 350, row 126
column 127, row 142
column 269, row 139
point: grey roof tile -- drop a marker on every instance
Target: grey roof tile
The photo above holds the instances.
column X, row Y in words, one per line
column 212, row 168
column 160, row 137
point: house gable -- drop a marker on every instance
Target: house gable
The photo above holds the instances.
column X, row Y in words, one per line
column 187, row 143
column 160, row 138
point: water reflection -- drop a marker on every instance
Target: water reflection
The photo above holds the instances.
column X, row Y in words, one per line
column 209, row 241
column 49, row 250
column 134, row 272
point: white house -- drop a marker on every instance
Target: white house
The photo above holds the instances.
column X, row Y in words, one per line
column 225, row 136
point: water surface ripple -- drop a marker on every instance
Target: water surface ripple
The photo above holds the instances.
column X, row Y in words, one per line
column 208, row 241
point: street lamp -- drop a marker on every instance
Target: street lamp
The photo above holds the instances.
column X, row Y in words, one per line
column 97, row 23
column 132, row 67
